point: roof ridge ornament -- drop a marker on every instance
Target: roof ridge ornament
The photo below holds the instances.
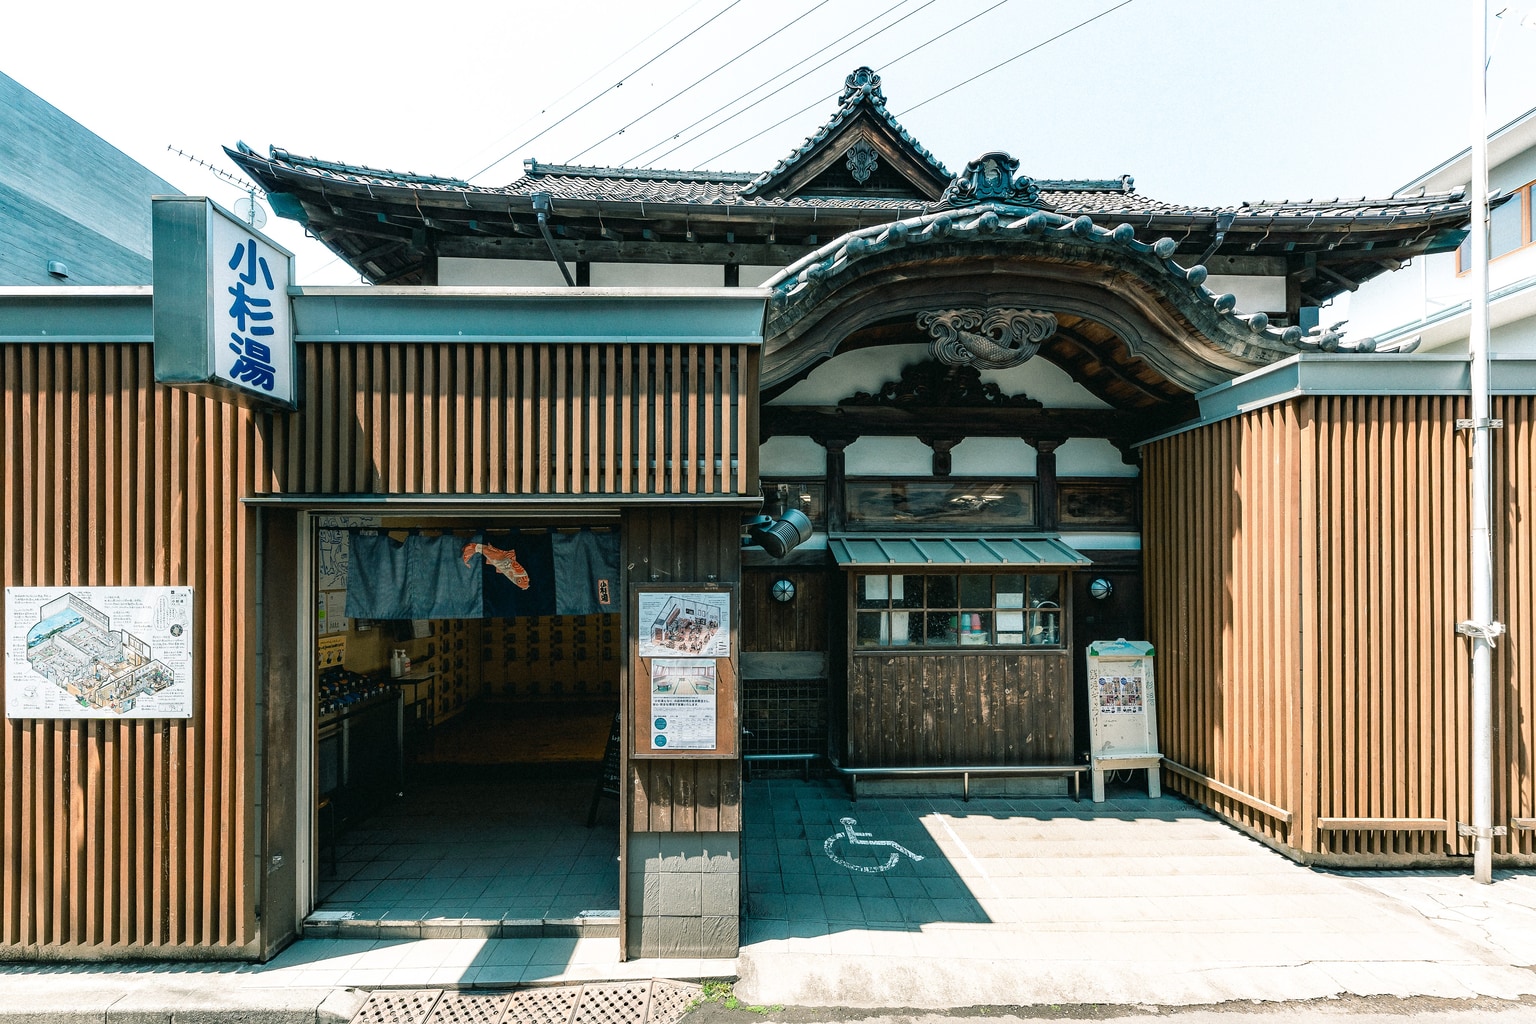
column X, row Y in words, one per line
column 992, row 178
column 863, row 81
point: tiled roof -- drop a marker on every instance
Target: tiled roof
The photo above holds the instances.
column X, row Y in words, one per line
column 861, row 90
column 1099, row 198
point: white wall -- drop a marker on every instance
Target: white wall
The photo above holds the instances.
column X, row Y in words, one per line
column 888, row 456
column 459, row 271
column 868, row 369
column 791, row 456
column 657, row 275
column 992, row 456
column 1091, row 456
column 1253, row 294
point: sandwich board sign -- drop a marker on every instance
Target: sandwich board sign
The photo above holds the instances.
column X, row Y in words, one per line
column 1122, row 712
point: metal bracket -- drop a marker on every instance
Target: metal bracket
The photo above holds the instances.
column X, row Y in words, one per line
column 1473, row 832
column 1475, row 424
column 1489, row 631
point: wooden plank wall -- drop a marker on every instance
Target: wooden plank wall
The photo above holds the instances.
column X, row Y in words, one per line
column 1306, row 565
column 122, row 837
column 136, row 838
column 798, row 625
column 959, row 708
column 684, row 545
column 521, row 419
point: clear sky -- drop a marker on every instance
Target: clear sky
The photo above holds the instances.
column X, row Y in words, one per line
column 1206, row 102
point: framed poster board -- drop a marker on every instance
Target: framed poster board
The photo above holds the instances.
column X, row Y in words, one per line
column 99, row 652
column 684, row 691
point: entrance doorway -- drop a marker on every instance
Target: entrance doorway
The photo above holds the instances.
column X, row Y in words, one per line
column 459, row 759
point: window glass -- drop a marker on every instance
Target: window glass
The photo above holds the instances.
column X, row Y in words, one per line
column 940, row 629
column 1506, row 225
column 874, row 591
column 942, row 592
column 976, row 591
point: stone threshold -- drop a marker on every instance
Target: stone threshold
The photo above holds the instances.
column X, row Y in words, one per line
column 602, row 924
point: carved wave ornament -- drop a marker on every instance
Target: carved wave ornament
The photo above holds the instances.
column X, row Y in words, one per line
column 993, row 339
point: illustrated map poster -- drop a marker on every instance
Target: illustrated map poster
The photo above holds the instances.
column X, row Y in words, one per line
column 98, row 652
column 684, row 694
column 687, row 624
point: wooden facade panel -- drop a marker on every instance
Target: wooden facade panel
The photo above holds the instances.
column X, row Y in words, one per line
column 998, row 708
column 532, row 419
column 1306, row 566
column 797, row 625
column 1223, row 583
column 135, row 837
column 684, row 545
column 129, row 835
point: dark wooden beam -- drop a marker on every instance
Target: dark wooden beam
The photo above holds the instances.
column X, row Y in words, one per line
column 849, row 422
column 637, row 251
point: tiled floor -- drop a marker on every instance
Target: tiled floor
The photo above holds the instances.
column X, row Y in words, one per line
column 474, row 844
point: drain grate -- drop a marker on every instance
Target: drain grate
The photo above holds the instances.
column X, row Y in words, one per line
column 669, row 1001
column 458, row 1008
column 636, row 1002
column 617, row 1003
column 543, row 1005
column 397, row 1007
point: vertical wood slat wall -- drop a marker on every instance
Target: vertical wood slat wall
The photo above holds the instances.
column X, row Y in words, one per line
column 133, row 834
column 1306, row 565
column 134, row 837
column 521, row 419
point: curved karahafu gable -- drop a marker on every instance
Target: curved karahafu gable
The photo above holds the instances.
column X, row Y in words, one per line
column 998, row 266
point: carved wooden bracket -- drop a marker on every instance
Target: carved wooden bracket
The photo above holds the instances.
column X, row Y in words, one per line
column 942, row 446
column 994, row 339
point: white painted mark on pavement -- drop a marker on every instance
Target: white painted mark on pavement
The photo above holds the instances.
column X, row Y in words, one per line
column 963, row 849
column 855, row 838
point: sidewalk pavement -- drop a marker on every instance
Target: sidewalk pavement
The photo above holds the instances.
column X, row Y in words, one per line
column 930, row 902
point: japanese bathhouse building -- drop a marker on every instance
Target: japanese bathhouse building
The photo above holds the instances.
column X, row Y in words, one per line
column 849, row 459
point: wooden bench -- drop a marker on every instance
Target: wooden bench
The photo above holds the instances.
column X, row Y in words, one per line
column 1073, row 771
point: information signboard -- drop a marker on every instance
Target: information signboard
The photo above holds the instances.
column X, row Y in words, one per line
column 1122, row 711
column 684, row 693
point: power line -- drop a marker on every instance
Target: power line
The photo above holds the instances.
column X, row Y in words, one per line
column 722, row 67
column 563, row 96
column 1016, row 56
column 792, row 81
column 605, row 92
column 888, row 64
column 760, row 85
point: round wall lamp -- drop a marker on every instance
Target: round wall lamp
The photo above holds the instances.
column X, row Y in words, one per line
column 783, row 590
column 1100, row 589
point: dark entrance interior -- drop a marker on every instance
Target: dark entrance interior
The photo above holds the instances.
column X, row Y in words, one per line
column 459, row 761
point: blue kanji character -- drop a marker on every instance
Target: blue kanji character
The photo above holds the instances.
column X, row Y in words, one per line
column 253, row 363
column 246, row 252
column 247, row 307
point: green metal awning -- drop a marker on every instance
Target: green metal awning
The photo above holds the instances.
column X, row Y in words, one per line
column 981, row 552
